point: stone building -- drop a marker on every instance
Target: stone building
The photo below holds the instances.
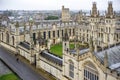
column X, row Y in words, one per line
column 101, row 61
column 65, row 14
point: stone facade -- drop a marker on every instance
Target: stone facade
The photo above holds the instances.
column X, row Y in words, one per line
column 33, row 39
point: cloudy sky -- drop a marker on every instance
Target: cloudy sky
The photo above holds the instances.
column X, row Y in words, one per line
column 55, row 4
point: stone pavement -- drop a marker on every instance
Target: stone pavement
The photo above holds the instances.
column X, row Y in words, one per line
column 22, row 69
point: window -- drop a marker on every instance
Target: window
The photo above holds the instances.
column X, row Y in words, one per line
column 70, row 32
column 71, row 69
column 62, row 33
column 90, row 72
column 73, row 32
column 2, row 36
column 13, row 40
column 53, row 33
column 44, row 35
column 58, row 33
column 49, row 36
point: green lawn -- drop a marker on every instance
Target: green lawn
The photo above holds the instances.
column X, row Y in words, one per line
column 57, row 49
column 10, row 76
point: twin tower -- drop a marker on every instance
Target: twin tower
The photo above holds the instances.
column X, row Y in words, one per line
column 94, row 13
column 108, row 14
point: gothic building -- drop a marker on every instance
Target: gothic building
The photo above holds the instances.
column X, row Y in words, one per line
column 101, row 61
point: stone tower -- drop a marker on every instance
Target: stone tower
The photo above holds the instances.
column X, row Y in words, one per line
column 94, row 13
column 109, row 13
column 65, row 42
column 17, row 36
column 65, row 14
column 31, row 40
column 65, row 46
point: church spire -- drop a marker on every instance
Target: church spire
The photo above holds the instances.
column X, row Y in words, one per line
column 94, row 10
column 110, row 10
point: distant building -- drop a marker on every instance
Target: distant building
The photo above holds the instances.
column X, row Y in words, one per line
column 101, row 61
column 65, row 14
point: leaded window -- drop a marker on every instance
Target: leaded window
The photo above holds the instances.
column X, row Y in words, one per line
column 90, row 72
column 71, row 69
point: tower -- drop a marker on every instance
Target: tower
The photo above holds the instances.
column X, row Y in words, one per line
column 33, row 57
column 109, row 13
column 65, row 42
column 17, row 36
column 24, row 30
column 94, row 13
column 65, row 14
column 65, row 46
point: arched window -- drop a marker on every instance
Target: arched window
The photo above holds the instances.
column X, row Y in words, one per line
column 71, row 69
column 90, row 72
column 2, row 36
column 13, row 40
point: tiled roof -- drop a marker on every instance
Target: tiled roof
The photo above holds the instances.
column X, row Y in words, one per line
column 113, row 57
column 51, row 57
column 25, row 45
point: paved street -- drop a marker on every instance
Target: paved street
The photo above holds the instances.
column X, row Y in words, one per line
column 24, row 71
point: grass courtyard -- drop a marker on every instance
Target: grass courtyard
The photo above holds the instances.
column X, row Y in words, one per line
column 57, row 48
column 9, row 76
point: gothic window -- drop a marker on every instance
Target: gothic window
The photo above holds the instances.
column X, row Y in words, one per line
column 49, row 34
column 70, row 32
column 44, row 35
column 58, row 33
column 34, row 36
column 13, row 40
column 90, row 72
column 73, row 32
column 53, row 33
column 71, row 69
column 2, row 36
column 62, row 32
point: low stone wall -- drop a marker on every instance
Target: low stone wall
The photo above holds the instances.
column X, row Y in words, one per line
column 9, row 47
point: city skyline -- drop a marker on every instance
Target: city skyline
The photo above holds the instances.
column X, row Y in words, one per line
column 56, row 4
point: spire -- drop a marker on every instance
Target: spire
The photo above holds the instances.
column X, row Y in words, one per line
column 94, row 10
column 66, row 37
column 106, row 59
column 91, row 45
column 110, row 10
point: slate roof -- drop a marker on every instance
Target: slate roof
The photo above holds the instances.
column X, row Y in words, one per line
column 80, row 52
column 51, row 57
column 113, row 57
column 25, row 45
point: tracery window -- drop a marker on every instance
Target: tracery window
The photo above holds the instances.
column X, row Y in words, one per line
column 90, row 72
column 71, row 69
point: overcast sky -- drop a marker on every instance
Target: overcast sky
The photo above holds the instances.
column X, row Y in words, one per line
column 55, row 4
